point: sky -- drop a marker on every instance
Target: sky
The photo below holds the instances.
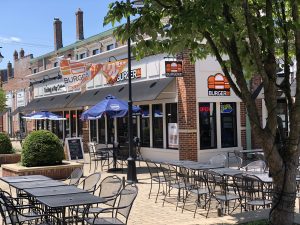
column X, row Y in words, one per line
column 29, row 24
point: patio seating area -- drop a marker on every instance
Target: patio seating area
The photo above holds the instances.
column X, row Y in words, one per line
column 182, row 192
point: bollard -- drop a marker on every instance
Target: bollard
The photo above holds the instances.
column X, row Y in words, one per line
column 123, row 182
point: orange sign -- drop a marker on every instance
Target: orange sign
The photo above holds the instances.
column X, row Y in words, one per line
column 173, row 68
column 218, row 85
column 76, row 74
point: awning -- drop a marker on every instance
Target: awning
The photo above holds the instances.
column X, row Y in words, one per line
column 51, row 102
column 141, row 91
column 20, row 109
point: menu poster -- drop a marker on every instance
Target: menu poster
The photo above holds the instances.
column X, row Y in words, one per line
column 173, row 135
column 74, row 148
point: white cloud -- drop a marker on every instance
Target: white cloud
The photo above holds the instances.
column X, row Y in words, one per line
column 9, row 39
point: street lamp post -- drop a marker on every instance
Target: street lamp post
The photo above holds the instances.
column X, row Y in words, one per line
column 131, row 169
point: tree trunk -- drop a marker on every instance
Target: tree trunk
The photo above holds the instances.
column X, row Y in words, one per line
column 282, row 212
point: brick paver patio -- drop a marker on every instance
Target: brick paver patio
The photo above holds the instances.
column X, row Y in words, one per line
column 146, row 212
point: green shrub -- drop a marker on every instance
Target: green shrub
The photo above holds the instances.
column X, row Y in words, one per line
column 5, row 144
column 42, row 148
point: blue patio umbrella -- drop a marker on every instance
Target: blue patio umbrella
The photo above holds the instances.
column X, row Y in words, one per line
column 110, row 106
column 43, row 115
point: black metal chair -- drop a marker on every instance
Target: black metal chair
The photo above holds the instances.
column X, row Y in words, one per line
column 199, row 190
column 258, row 166
column 155, row 176
column 74, row 177
column 109, row 189
column 97, row 156
column 257, row 193
column 221, row 190
column 90, row 183
column 14, row 213
column 120, row 212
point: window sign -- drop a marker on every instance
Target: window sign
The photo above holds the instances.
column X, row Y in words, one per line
column 173, row 135
column 20, row 98
column 226, row 108
column 54, row 88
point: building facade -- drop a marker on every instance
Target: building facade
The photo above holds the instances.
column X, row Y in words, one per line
column 190, row 117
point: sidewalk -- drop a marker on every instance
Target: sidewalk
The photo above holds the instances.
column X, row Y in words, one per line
column 146, row 212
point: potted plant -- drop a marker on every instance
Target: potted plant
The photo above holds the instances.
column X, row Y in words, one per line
column 7, row 153
column 43, row 154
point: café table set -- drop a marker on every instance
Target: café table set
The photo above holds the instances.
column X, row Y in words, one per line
column 52, row 194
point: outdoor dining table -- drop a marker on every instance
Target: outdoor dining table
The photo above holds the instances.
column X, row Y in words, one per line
column 64, row 201
column 55, row 190
column 29, row 178
column 35, row 184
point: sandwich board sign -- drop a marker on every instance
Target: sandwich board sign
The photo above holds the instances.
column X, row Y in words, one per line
column 74, row 148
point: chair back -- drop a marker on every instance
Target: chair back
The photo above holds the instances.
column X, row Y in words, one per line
column 256, row 166
column 219, row 159
column 153, row 169
column 75, row 176
column 90, row 183
column 110, row 188
column 126, row 199
column 8, row 210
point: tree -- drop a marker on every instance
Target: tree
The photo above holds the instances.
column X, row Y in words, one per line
column 2, row 100
column 247, row 37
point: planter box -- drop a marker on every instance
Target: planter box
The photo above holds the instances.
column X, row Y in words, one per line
column 56, row 172
column 10, row 158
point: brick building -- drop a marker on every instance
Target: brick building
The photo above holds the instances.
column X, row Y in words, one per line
column 190, row 117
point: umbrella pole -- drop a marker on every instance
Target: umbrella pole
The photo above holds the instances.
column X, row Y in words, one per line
column 131, row 170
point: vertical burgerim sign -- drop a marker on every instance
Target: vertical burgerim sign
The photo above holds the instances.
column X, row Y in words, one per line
column 76, row 74
column 218, row 85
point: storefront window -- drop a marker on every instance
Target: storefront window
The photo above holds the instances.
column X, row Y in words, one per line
column 207, row 120
column 172, row 126
column 93, row 130
column 101, row 130
column 157, row 118
column 79, row 123
column 228, row 124
column 122, row 129
column 73, row 122
column 67, row 124
column 57, row 126
column 145, row 126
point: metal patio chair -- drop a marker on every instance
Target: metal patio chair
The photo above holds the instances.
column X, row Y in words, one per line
column 221, row 190
column 219, row 159
column 257, row 193
column 258, row 166
column 75, row 177
column 90, row 183
column 97, row 156
column 13, row 213
column 155, row 176
column 120, row 212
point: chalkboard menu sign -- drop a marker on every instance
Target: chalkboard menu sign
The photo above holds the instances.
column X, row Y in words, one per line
column 74, row 148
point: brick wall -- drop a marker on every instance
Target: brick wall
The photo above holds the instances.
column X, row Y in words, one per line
column 187, row 111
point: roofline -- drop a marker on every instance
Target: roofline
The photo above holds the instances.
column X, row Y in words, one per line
column 76, row 44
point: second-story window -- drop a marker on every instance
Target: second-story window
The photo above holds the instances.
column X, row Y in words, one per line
column 96, row 51
column 82, row 55
column 110, row 47
column 55, row 64
column 35, row 70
